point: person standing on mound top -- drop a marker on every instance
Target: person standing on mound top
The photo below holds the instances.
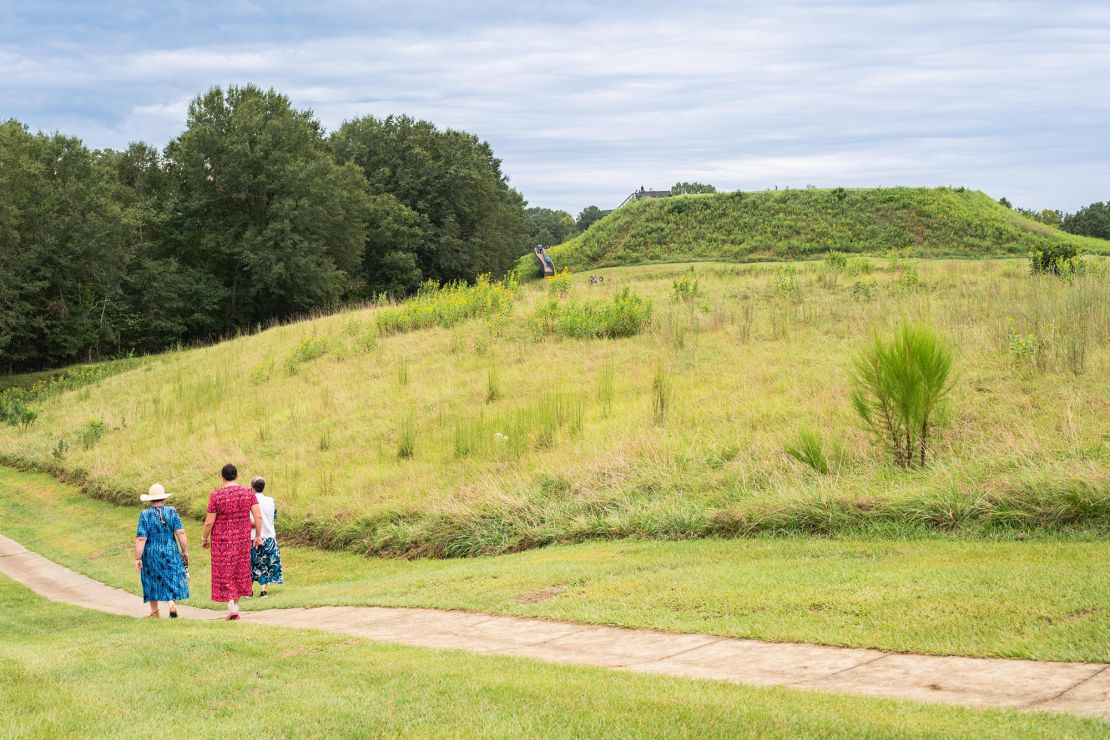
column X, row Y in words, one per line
column 265, row 559
column 160, row 563
column 228, row 530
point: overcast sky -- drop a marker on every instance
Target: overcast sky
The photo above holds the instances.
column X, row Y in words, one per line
column 585, row 102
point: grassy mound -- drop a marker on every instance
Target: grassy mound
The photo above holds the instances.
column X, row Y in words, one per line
column 495, row 435
column 791, row 224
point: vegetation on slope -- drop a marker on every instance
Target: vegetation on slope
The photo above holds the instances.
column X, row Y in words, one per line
column 489, row 437
column 791, row 224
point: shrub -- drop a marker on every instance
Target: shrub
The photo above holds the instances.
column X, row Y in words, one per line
column 786, row 286
column 836, row 261
column 624, row 316
column 898, row 387
column 91, row 432
column 448, row 305
column 906, row 275
column 366, row 341
column 863, row 291
column 559, row 285
column 809, row 449
column 15, row 408
column 857, row 266
column 308, row 349
column 1054, row 259
column 684, row 288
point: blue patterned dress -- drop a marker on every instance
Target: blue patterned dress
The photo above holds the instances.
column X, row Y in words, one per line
column 163, row 574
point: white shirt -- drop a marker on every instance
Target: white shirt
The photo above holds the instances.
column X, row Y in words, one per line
column 268, row 508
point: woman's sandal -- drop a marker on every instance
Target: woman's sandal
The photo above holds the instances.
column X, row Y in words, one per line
column 232, row 617
column 173, row 613
column 154, row 615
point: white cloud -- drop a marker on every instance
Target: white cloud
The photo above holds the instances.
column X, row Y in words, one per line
column 1001, row 96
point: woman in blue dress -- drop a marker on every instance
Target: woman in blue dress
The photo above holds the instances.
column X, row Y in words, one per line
column 160, row 562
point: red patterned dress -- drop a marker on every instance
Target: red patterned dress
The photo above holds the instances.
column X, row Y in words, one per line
column 231, row 541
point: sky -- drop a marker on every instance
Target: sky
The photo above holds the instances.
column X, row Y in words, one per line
column 585, row 102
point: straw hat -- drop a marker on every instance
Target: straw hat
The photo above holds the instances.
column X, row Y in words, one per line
column 157, row 493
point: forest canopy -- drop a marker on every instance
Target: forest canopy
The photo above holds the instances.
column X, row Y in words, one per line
column 252, row 214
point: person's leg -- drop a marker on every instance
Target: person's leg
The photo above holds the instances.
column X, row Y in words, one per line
column 154, row 608
column 173, row 609
column 233, row 609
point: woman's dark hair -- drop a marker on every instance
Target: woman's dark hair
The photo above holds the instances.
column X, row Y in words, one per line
column 229, row 472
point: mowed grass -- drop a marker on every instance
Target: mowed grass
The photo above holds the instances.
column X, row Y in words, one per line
column 65, row 671
column 1047, row 600
column 491, row 437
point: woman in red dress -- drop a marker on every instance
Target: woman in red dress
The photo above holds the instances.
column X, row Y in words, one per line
column 228, row 528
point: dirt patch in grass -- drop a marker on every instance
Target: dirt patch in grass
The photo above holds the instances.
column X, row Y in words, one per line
column 545, row 594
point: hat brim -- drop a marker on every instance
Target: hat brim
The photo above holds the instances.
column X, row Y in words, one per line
column 156, row 497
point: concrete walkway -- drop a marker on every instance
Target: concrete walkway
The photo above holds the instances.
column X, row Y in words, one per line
column 1079, row 688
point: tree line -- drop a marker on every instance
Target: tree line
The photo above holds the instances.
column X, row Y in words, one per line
column 1091, row 220
column 254, row 213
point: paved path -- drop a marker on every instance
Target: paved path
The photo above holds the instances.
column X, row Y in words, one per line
column 1080, row 688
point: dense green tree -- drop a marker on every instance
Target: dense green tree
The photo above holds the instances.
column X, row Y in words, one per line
column 63, row 252
column 550, row 226
column 249, row 215
column 691, row 188
column 471, row 221
column 588, row 217
column 1048, row 216
column 394, row 236
column 1093, row 220
column 260, row 205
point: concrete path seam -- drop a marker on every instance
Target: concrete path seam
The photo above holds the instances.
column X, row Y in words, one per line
column 1076, row 688
column 1073, row 687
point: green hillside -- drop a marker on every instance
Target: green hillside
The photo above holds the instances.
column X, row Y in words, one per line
column 792, row 224
column 494, row 419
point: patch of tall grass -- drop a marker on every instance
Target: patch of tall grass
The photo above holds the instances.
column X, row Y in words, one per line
column 447, row 305
column 624, row 316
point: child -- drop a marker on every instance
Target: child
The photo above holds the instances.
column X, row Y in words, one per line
column 265, row 560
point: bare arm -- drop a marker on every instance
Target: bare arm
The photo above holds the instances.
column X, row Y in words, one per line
column 205, row 536
column 183, row 543
column 256, row 514
column 140, row 545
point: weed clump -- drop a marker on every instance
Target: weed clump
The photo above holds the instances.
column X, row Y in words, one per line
column 308, row 349
column 448, row 305
column 15, row 408
column 559, row 285
column 91, row 432
column 624, row 316
column 684, row 288
column 809, row 449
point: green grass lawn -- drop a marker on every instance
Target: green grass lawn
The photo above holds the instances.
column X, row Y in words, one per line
column 1047, row 599
column 66, row 671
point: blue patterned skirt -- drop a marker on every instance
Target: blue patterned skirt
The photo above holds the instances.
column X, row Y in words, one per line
column 266, row 562
column 163, row 575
